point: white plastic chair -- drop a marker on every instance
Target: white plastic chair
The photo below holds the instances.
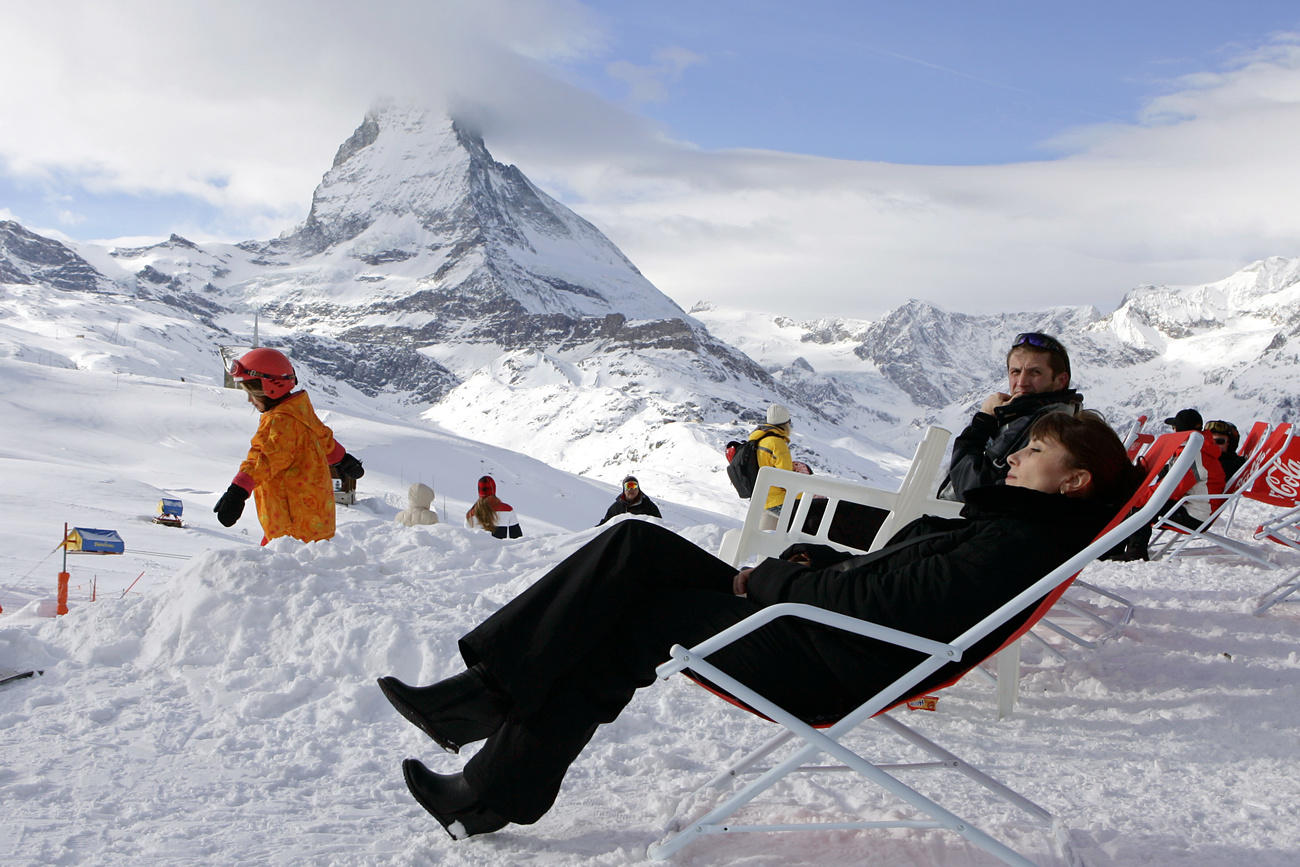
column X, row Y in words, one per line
column 914, row 497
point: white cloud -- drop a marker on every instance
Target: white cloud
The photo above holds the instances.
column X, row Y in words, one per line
column 1197, row 187
column 241, row 104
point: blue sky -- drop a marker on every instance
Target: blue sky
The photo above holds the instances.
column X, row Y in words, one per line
column 944, row 83
column 979, row 155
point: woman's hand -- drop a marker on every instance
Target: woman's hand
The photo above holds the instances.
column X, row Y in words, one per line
column 740, row 583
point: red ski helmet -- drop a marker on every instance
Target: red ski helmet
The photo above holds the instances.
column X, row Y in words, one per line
column 270, row 366
column 487, row 487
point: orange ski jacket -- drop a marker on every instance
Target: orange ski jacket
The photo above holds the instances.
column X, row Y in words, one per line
column 288, row 471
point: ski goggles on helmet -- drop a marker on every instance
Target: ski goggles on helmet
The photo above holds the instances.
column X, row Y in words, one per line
column 1220, row 427
column 239, row 371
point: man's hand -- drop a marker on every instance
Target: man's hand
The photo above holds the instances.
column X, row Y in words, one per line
column 993, row 401
column 740, row 583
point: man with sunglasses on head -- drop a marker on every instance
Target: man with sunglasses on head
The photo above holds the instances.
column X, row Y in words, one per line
column 1038, row 382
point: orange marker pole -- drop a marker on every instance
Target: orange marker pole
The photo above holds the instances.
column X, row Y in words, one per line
column 128, row 590
column 64, row 576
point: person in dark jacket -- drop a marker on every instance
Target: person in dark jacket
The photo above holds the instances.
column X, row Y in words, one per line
column 569, row 652
column 1038, row 379
column 632, row 501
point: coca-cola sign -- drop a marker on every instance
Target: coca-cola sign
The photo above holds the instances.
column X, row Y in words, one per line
column 1284, row 481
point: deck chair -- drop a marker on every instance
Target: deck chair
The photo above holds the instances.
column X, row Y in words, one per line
column 914, row 497
column 810, row 742
column 1269, row 476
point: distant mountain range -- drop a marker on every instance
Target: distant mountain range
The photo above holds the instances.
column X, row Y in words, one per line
column 429, row 279
column 1228, row 348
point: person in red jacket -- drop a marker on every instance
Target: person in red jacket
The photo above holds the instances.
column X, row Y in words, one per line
column 568, row 653
column 287, row 469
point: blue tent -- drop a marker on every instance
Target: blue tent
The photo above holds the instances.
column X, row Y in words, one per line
column 89, row 541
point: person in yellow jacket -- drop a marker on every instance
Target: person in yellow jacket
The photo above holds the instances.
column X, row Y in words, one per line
column 774, row 451
column 288, row 465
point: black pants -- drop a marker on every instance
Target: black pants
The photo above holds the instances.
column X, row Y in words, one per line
column 571, row 650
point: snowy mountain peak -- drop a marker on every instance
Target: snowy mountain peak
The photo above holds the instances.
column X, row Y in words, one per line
column 415, row 207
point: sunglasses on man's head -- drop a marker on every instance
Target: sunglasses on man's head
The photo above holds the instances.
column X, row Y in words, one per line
column 1042, row 341
column 1222, row 427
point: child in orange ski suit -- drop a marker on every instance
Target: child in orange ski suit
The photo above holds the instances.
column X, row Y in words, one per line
column 288, row 464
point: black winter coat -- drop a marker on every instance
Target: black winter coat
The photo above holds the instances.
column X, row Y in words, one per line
column 979, row 453
column 936, row 578
column 643, row 506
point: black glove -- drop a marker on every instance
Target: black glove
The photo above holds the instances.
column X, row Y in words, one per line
column 349, row 467
column 813, row 555
column 231, row 505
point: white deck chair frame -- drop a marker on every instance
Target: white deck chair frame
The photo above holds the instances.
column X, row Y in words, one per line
column 815, row 741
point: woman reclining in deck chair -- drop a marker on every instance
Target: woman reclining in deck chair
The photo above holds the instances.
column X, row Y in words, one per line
column 569, row 652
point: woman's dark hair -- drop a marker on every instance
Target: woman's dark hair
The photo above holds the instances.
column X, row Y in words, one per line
column 1094, row 447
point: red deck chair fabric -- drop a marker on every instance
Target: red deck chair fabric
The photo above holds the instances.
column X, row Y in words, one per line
column 1279, row 486
column 1140, row 442
column 1252, row 440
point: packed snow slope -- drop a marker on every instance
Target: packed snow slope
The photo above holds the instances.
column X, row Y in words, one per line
column 223, row 709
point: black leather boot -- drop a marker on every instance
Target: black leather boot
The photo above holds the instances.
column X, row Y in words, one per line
column 454, row 712
column 449, row 799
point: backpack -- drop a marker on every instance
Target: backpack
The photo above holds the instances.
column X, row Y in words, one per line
column 742, row 466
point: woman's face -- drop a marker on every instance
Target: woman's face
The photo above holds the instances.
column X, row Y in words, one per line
column 1044, row 465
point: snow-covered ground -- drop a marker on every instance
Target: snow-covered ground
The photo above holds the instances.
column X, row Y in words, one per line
column 224, row 709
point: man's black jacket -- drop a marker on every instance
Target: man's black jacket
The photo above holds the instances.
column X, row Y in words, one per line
column 643, row 506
